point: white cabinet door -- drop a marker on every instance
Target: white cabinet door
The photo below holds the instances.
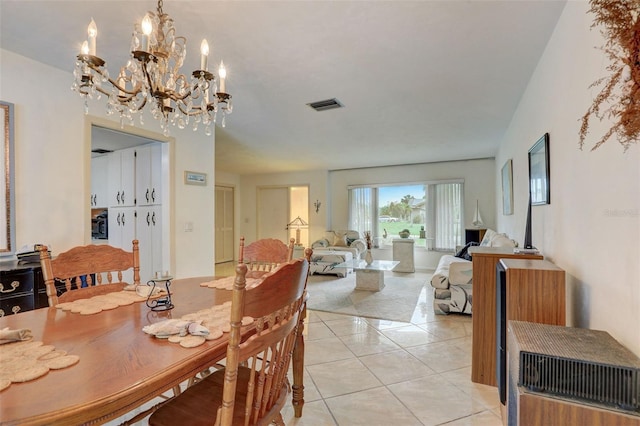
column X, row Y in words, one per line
column 149, row 234
column 121, row 166
column 149, row 175
column 99, row 181
column 122, row 227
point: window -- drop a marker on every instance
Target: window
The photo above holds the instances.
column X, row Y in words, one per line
column 432, row 212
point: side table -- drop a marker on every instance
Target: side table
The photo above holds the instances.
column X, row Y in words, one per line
column 403, row 252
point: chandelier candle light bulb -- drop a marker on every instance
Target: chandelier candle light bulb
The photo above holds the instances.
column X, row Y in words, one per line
column 92, row 31
column 222, row 72
column 147, row 27
column 85, row 48
column 204, row 55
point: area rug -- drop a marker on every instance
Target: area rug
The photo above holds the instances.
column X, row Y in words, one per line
column 396, row 302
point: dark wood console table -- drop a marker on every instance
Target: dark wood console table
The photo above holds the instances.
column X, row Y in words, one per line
column 483, row 357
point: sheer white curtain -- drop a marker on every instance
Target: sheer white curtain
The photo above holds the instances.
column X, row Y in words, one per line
column 362, row 207
column 448, row 215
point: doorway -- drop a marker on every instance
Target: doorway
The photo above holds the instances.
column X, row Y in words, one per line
column 130, row 192
column 279, row 206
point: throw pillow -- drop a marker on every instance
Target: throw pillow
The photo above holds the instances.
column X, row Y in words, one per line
column 463, row 253
column 339, row 239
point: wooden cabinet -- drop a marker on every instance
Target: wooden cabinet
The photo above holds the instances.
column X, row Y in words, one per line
column 121, row 172
column 149, row 175
column 99, row 181
column 483, row 358
column 527, row 290
column 403, row 252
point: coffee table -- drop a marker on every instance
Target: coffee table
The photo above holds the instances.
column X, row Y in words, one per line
column 369, row 277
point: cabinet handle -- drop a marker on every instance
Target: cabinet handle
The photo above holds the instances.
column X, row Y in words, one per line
column 118, row 219
column 14, row 285
column 122, row 197
column 146, row 195
column 148, row 218
column 122, row 219
column 153, row 195
column 118, row 197
column 95, row 199
column 153, row 218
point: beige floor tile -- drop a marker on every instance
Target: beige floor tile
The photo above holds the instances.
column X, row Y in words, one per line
column 442, row 356
column 433, row 400
column 461, row 378
column 328, row 316
column 448, row 329
column 374, row 407
column 396, row 366
column 325, row 350
column 369, row 343
column 318, row 330
column 314, row 413
column 485, row 418
column 381, row 324
column 410, row 335
column 342, row 377
column 349, row 325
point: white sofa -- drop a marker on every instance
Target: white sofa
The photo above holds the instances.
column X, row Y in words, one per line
column 451, row 281
column 336, row 247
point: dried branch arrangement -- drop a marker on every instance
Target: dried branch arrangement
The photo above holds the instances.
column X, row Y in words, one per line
column 619, row 98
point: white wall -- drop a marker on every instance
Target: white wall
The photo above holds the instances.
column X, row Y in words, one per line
column 591, row 228
column 51, row 167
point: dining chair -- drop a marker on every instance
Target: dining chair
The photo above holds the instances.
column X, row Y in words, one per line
column 88, row 271
column 253, row 386
column 264, row 255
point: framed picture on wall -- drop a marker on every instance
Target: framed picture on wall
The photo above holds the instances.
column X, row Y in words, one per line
column 507, row 188
column 195, row 178
column 539, row 172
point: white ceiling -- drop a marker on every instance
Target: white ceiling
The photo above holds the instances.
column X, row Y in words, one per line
column 421, row 81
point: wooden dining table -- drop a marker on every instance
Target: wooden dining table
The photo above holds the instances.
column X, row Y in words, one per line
column 120, row 366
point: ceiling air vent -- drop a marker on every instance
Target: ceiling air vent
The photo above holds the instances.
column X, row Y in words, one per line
column 101, row 151
column 326, row 104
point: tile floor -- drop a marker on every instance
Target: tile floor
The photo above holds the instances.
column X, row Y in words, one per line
column 361, row 371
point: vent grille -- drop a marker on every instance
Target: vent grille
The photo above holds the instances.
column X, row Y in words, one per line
column 326, row 104
column 579, row 364
column 590, row 382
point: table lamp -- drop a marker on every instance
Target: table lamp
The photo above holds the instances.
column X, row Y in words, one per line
column 297, row 223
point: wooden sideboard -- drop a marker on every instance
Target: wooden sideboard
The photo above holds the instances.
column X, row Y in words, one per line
column 483, row 357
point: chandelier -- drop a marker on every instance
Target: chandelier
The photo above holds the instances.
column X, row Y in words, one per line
column 152, row 76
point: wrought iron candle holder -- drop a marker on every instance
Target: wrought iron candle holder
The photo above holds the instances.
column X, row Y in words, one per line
column 159, row 303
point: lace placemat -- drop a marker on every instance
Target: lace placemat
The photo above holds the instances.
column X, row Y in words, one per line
column 194, row 329
column 28, row 360
column 226, row 283
column 104, row 302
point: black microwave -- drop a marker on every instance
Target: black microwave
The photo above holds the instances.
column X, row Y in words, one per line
column 100, row 226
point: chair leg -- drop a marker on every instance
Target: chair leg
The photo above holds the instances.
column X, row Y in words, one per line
column 298, row 368
column 278, row 421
